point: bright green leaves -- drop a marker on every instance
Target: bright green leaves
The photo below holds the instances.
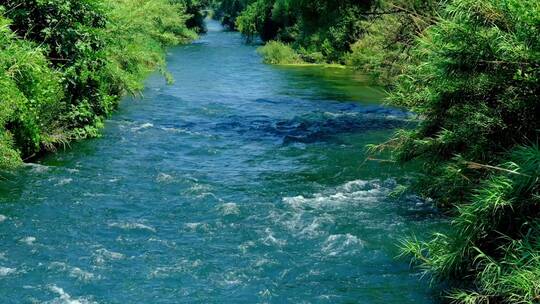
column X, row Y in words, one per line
column 275, row 52
column 72, row 60
column 495, row 240
column 30, row 94
column 473, row 77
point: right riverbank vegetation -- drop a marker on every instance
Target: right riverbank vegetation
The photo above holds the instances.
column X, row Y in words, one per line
column 470, row 69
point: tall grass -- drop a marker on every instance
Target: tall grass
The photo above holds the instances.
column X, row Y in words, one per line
column 30, row 100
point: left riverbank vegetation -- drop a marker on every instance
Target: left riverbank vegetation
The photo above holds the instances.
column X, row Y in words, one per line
column 66, row 63
column 471, row 70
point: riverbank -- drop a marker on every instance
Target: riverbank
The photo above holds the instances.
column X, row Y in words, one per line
column 64, row 70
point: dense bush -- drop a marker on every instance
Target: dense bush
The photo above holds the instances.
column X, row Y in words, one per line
column 30, row 97
column 71, row 61
column 474, row 79
column 275, row 52
column 141, row 48
column 196, row 10
column 389, row 35
column 476, row 87
column 228, row 11
column 319, row 30
column 72, row 33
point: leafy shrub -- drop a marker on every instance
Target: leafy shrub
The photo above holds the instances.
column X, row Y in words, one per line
column 30, row 94
column 475, row 83
column 384, row 49
column 73, row 34
column 275, row 52
column 474, row 80
column 72, row 61
column 322, row 27
column 145, row 28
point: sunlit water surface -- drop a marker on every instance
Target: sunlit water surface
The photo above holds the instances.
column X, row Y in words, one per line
column 240, row 183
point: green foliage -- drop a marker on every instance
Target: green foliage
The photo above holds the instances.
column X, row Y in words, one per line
column 320, row 30
column 474, row 79
column 275, row 52
column 30, row 94
column 476, row 87
column 195, row 10
column 71, row 62
column 496, row 237
column 71, row 31
column 228, row 10
column 252, row 20
column 390, row 33
column 330, row 27
column 141, row 49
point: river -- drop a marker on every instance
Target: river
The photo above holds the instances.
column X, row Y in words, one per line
column 239, row 183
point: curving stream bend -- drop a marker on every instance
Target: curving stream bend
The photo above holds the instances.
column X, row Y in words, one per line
column 241, row 183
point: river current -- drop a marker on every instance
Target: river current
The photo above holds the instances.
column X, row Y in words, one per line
column 239, row 183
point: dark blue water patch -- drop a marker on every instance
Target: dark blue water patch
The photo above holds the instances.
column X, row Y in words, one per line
column 323, row 126
column 315, row 126
column 414, row 208
column 308, row 128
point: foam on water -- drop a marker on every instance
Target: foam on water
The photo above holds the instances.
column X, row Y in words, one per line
column 64, row 181
column 103, row 255
column 164, row 178
column 270, row 240
column 74, row 272
column 341, row 244
column 132, row 226
column 200, row 227
column 65, row 298
column 29, row 240
column 182, row 266
column 37, row 168
column 310, row 216
column 142, row 127
column 229, row 209
column 6, row 271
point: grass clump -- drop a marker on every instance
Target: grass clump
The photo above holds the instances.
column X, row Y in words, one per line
column 276, row 52
column 494, row 248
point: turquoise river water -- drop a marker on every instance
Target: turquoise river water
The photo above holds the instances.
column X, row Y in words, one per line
column 240, row 183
